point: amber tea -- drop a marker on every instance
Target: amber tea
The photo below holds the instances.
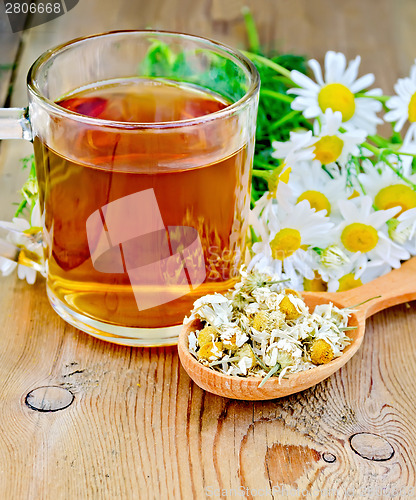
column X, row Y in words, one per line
column 197, row 180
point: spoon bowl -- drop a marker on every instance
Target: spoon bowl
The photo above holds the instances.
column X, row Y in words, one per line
column 394, row 288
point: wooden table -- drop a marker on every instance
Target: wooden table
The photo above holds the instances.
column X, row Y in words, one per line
column 138, row 427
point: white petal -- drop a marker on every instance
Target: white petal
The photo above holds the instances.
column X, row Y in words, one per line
column 303, row 80
column 362, row 83
column 316, row 68
column 351, row 72
column 335, row 63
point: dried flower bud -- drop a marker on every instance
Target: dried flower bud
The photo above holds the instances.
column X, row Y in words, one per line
column 321, row 352
column 261, row 321
column 210, row 351
column 206, row 335
column 289, row 309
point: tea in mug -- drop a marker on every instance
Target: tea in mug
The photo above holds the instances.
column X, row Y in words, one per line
column 196, row 180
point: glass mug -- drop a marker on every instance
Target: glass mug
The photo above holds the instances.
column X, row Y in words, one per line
column 143, row 146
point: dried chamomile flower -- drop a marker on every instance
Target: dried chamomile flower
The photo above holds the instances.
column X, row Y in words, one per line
column 247, row 351
column 207, row 334
column 276, row 319
column 252, row 281
column 261, row 321
column 232, row 337
column 288, row 308
column 259, row 329
column 210, row 351
column 321, row 352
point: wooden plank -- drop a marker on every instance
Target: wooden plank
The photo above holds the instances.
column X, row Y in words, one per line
column 9, row 43
column 138, row 428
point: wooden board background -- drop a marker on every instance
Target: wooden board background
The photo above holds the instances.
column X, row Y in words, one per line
column 138, row 428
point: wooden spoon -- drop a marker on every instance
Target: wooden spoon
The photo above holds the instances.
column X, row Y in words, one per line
column 396, row 287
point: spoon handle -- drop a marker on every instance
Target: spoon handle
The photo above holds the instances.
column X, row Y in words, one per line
column 394, row 288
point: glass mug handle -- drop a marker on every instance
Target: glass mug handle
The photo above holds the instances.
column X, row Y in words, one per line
column 15, row 124
column 20, row 246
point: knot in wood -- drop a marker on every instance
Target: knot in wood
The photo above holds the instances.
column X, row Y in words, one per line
column 49, row 398
column 371, row 446
column 330, row 458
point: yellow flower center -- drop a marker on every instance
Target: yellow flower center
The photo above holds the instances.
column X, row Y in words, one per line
column 285, row 243
column 261, row 321
column 354, row 194
column 321, row 352
column 279, row 174
column 358, row 237
column 412, row 108
column 339, row 98
column 347, row 282
column 288, row 309
column 315, row 285
column 317, row 200
column 33, row 230
column 397, row 195
column 328, row 149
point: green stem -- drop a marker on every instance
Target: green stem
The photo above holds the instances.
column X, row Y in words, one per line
column 399, row 174
column 271, row 372
column 267, row 166
column 21, row 207
column 282, row 79
column 401, row 153
column 372, row 148
column 380, row 153
column 260, row 173
column 327, row 171
column 378, row 141
column 381, row 98
column 253, row 37
column 361, row 303
column 276, row 95
column 284, row 119
column 270, row 64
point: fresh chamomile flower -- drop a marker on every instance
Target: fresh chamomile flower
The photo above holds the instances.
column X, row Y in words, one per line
column 347, row 275
column 407, row 223
column 332, row 145
column 327, row 145
column 407, row 150
column 19, row 234
column 6, row 266
column 386, row 188
column 364, row 230
column 403, row 105
column 359, row 270
column 403, row 230
column 310, row 182
column 266, row 205
column 340, row 90
column 333, row 257
column 297, row 148
column 288, row 236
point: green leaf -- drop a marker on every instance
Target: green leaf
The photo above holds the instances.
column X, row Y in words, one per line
column 270, row 374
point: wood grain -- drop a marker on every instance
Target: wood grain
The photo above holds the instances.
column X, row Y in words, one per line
column 138, row 427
